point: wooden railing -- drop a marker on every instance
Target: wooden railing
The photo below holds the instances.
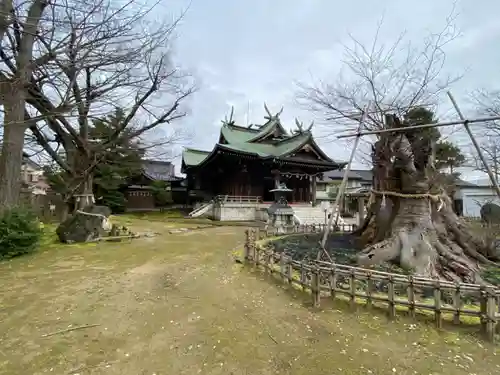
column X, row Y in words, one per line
column 238, row 199
column 392, row 291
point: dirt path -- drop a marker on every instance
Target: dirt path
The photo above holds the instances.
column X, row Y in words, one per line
column 178, row 304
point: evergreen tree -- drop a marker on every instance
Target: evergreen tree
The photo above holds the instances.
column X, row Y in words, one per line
column 120, row 162
column 448, row 155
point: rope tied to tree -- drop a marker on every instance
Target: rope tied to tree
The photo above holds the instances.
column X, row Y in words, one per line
column 433, row 197
column 91, row 214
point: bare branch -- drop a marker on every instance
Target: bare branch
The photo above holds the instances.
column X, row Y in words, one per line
column 99, row 59
column 393, row 78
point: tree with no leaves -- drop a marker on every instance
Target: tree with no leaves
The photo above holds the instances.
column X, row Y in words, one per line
column 411, row 219
column 103, row 56
column 488, row 102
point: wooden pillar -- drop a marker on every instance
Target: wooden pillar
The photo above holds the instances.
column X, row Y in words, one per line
column 361, row 210
column 313, row 189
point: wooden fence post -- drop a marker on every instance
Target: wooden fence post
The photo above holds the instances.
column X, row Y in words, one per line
column 437, row 305
column 390, row 297
column 483, row 308
column 490, row 314
column 315, row 287
column 352, row 285
column 333, row 281
column 289, row 271
column 270, row 263
column 283, row 267
column 411, row 296
column 246, row 248
column 256, row 251
column 457, row 303
column 303, row 276
column 369, row 289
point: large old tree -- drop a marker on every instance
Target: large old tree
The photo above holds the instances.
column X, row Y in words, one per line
column 410, row 219
column 19, row 28
column 104, row 55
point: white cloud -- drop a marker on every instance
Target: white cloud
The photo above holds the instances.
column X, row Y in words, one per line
column 246, row 53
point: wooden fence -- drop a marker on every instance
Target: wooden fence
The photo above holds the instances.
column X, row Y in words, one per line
column 305, row 228
column 392, row 291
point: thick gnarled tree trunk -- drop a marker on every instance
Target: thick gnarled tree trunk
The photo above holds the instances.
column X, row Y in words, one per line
column 411, row 220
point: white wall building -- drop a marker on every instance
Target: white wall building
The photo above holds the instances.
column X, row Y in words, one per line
column 328, row 186
column 469, row 196
column 475, row 195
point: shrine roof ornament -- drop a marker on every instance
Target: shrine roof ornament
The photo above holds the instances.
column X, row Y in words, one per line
column 230, row 120
column 300, row 127
column 270, row 116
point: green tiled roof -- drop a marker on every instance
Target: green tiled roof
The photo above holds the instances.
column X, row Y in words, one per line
column 269, row 150
column 238, row 134
column 194, row 157
column 267, row 128
column 248, row 141
column 234, row 134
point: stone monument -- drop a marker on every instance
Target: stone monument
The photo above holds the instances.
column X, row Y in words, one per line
column 280, row 213
column 85, row 225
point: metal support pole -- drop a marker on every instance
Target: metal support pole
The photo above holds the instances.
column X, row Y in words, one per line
column 343, row 184
column 474, row 142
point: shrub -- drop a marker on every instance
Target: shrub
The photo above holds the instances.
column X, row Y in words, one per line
column 20, row 232
column 161, row 196
column 113, row 199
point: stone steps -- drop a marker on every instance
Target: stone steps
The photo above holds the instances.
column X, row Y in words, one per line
column 310, row 215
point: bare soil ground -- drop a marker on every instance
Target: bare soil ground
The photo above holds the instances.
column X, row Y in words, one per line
column 179, row 304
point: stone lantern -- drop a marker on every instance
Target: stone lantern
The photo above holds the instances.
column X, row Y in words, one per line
column 280, row 213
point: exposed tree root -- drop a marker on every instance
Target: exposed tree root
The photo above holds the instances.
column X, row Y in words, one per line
column 432, row 244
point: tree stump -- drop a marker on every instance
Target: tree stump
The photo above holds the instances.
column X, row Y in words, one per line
column 85, row 225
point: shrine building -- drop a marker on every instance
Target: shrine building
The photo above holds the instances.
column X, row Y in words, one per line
column 247, row 162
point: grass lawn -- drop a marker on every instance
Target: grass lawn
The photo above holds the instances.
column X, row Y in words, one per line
column 178, row 304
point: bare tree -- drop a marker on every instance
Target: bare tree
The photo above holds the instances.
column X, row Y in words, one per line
column 490, row 147
column 488, row 103
column 19, row 26
column 390, row 78
column 111, row 59
column 411, row 219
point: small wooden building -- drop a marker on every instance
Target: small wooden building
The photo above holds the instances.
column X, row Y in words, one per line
column 251, row 161
column 139, row 190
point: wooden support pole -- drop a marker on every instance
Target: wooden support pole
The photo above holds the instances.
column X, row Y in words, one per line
column 343, row 184
column 356, row 115
column 423, row 126
column 476, row 145
column 361, row 210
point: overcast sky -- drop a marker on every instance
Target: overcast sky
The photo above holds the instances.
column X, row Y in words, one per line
column 246, row 52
